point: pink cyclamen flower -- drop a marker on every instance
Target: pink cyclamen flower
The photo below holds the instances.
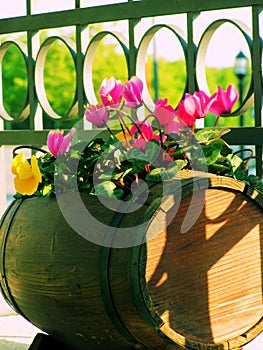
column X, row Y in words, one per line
column 111, row 92
column 145, row 134
column 224, row 100
column 173, row 127
column 97, row 115
column 164, row 112
column 58, row 143
column 132, row 92
column 194, row 107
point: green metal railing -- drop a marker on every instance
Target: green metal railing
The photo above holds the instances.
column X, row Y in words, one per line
column 131, row 12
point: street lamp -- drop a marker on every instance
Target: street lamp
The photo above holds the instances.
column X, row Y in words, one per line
column 241, row 70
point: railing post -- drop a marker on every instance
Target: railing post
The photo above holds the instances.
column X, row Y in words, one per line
column 2, row 160
column 191, row 53
column 132, row 48
column 2, row 180
column 79, row 66
column 257, row 78
column 35, row 117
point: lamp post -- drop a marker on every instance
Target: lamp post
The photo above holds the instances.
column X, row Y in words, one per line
column 241, row 70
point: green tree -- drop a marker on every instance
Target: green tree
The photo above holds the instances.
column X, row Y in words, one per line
column 14, row 80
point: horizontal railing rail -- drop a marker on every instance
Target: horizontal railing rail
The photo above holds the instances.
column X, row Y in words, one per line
column 116, row 12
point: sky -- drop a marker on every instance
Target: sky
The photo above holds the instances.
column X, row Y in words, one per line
column 224, row 45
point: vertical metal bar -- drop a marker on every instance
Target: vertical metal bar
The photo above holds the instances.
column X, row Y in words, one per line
column 132, row 47
column 257, row 78
column 31, row 85
column 28, row 7
column 30, row 72
column 79, row 67
column 191, row 53
column 132, row 50
column 3, row 191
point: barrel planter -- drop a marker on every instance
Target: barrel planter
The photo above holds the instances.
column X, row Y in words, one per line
column 197, row 284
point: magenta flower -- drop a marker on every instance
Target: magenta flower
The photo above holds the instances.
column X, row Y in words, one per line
column 58, row 143
column 139, row 143
column 111, row 92
column 97, row 115
column 132, row 92
column 145, row 134
column 194, row 107
column 163, row 112
column 145, row 130
column 173, row 127
column 223, row 100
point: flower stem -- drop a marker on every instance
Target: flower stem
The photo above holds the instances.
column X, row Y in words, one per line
column 159, row 127
column 216, row 121
column 193, row 128
column 123, row 131
column 109, row 130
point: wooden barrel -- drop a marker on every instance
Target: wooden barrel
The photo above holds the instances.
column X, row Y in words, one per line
column 197, row 284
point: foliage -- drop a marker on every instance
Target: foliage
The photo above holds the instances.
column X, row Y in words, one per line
column 106, row 164
column 152, row 150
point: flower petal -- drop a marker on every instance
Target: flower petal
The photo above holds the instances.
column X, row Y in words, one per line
column 26, row 187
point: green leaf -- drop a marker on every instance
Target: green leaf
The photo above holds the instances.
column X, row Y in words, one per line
column 108, row 189
column 124, row 173
column 259, row 187
column 152, row 150
column 106, row 176
column 75, row 154
column 208, row 134
column 212, row 152
column 149, row 155
column 218, row 169
column 178, row 153
column 160, row 174
column 118, row 193
column 200, row 164
column 179, row 164
column 253, row 180
column 137, row 154
column 225, row 150
column 119, row 175
column 46, row 191
column 156, row 175
column 119, row 156
column 236, row 163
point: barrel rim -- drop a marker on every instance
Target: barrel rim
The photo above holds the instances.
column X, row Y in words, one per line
column 143, row 300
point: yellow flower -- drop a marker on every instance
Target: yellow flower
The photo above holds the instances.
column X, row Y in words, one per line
column 27, row 176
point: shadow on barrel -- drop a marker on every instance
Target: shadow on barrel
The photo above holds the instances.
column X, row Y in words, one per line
column 207, row 283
